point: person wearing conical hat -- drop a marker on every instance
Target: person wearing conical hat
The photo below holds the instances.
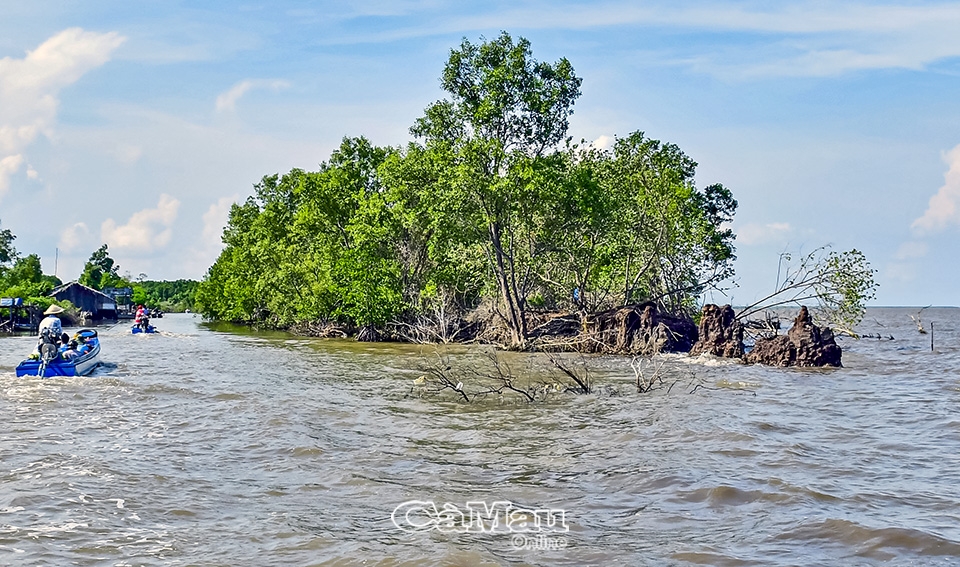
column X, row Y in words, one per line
column 51, row 323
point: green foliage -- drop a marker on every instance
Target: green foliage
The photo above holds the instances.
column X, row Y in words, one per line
column 26, row 279
column 169, row 296
column 487, row 206
column 312, row 246
column 507, row 111
column 101, row 271
column 840, row 283
column 503, row 100
column 844, row 285
column 629, row 225
column 23, row 276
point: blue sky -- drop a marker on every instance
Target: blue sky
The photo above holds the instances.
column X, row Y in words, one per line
column 138, row 123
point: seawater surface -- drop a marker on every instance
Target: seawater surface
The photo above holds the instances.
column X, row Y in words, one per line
column 214, row 446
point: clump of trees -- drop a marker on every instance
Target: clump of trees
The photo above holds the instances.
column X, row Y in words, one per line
column 490, row 204
column 102, row 271
column 22, row 276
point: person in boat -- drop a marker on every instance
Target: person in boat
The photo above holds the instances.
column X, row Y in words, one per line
column 51, row 327
column 142, row 318
column 72, row 351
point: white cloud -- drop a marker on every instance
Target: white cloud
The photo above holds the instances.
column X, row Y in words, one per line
column 227, row 101
column 57, row 62
column 32, row 174
column 8, row 166
column 603, row 142
column 75, row 237
column 29, row 88
column 205, row 252
column 215, row 219
column 146, row 231
column 912, row 249
column 753, row 233
column 944, row 207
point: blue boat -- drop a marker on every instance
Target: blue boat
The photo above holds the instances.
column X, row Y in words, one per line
column 58, row 366
column 136, row 329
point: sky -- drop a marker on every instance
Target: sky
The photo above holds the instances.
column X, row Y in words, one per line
column 137, row 124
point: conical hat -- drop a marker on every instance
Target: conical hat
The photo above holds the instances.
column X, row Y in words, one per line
column 53, row 310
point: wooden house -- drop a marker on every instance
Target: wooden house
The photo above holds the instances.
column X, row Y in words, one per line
column 98, row 304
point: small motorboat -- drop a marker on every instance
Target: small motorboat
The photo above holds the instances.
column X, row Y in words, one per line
column 51, row 362
column 137, row 329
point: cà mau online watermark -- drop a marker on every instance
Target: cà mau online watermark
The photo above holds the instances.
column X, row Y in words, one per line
column 530, row 528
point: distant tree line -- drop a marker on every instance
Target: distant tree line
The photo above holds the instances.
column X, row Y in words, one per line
column 101, row 272
column 491, row 205
column 170, row 296
column 22, row 276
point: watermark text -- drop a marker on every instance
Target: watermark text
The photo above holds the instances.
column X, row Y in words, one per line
column 479, row 517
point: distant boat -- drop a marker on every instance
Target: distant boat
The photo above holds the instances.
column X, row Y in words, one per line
column 59, row 366
column 137, row 329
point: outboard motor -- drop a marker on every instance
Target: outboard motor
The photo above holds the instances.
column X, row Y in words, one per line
column 49, row 350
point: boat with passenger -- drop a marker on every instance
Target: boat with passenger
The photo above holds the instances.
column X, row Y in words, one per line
column 141, row 323
column 77, row 358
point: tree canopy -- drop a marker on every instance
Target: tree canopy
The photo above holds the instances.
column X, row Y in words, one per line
column 101, row 271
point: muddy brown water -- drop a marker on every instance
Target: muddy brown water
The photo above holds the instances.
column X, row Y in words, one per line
column 219, row 446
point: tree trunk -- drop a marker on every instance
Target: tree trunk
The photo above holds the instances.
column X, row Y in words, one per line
column 515, row 316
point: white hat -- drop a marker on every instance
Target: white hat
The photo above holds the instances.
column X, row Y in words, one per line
column 53, row 310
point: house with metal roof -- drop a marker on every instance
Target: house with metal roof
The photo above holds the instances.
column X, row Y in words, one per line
column 97, row 303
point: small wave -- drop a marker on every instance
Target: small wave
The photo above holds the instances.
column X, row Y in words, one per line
column 227, row 396
column 803, row 491
column 306, row 451
column 873, row 542
column 702, row 558
column 724, row 495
